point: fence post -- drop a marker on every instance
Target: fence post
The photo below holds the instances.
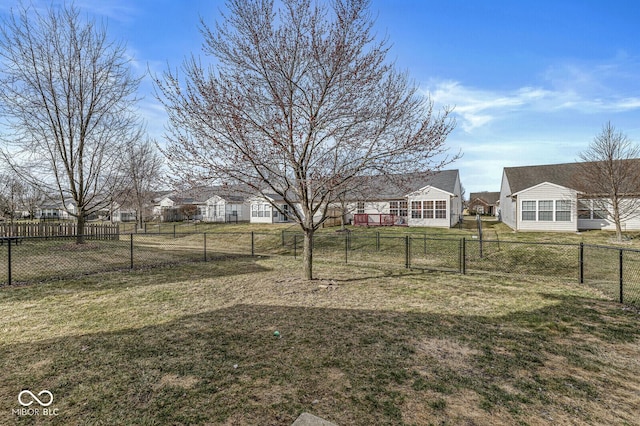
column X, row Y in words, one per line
column 253, row 251
column 9, row 261
column 463, row 256
column 377, row 240
column 204, row 239
column 407, row 255
column 174, row 230
column 282, row 238
column 424, row 241
column 621, row 275
column 581, row 263
column 295, row 246
column 346, row 247
column 131, row 251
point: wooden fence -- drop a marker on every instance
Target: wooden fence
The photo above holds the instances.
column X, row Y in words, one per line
column 58, row 229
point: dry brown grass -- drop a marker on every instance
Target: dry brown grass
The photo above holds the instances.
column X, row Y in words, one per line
column 194, row 344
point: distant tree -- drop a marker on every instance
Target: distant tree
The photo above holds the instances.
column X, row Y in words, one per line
column 188, row 211
column 11, row 196
column 67, row 93
column 32, row 198
column 609, row 177
column 299, row 102
column 143, row 172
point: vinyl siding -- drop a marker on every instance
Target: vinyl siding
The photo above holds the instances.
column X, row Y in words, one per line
column 544, row 192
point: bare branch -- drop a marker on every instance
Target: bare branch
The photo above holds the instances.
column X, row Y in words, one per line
column 300, row 103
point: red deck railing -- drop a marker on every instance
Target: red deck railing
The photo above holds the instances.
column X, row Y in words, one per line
column 377, row 219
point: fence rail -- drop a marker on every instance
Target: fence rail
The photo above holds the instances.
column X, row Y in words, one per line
column 58, row 229
column 613, row 270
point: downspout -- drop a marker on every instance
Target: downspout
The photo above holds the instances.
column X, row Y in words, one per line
column 515, row 199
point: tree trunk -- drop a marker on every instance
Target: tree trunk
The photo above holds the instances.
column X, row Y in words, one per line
column 616, row 218
column 307, row 254
column 139, row 218
column 80, row 227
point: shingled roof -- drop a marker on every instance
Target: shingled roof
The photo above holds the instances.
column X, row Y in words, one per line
column 566, row 174
column 396, row 187
column 521, row 178
column 487, row 197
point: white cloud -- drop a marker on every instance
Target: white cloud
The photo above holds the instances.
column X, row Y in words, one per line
column 476, row 108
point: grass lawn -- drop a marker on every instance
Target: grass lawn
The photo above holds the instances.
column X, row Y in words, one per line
column 194, row 344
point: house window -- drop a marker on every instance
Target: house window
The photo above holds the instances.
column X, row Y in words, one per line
column 563, row 211
column 427, row 209
column 403, row 209
column 360, row 207
column 393, row 207
column 528, row 210
column 416, row 210
column 588, row 209
column 545, row 210
column 398, row 208
column 254, row 210
column 441, row 209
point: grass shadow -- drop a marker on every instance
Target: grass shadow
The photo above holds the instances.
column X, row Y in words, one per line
column 357, row 367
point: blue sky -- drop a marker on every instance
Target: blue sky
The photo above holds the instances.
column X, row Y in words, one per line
column 532, row 82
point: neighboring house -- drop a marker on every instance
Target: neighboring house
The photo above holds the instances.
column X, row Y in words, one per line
column 227, row 207
column 484, row 203
column 263, row 210
column 421, row 199
column 207, row 204
column 544, row 198
column 122, row 214
column 54, row 211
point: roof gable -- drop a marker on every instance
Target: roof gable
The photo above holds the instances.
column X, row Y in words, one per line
column 427, row 189
column 542, row 184
column 485, row 196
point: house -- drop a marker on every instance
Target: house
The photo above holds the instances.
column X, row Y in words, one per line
column 263, row 210
column 227, row 206
column 545, row 198
column 207, row 203
column 54, row 211
column 432, row 199
column 177, row 207
column 484, row 203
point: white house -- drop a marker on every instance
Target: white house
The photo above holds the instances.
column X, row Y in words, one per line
column 423, row 199
column 226, row 208
column 54, row 211
column 263, row 211
column 544, row 198
column 225, row 203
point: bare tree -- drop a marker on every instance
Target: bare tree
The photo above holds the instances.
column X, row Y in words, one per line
column 32, row 198
column 299, row 101
column 11, row 195
column 67, row 93
column 143, row 172
column 609, row 175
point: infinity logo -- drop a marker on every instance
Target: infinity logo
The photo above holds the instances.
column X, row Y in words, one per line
column 35, row 398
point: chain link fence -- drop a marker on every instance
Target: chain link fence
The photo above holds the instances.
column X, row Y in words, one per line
column 615, row 271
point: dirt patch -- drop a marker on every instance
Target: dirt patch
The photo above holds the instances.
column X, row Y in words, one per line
column 175, row 381
column 78, row 247
column 450, row 353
